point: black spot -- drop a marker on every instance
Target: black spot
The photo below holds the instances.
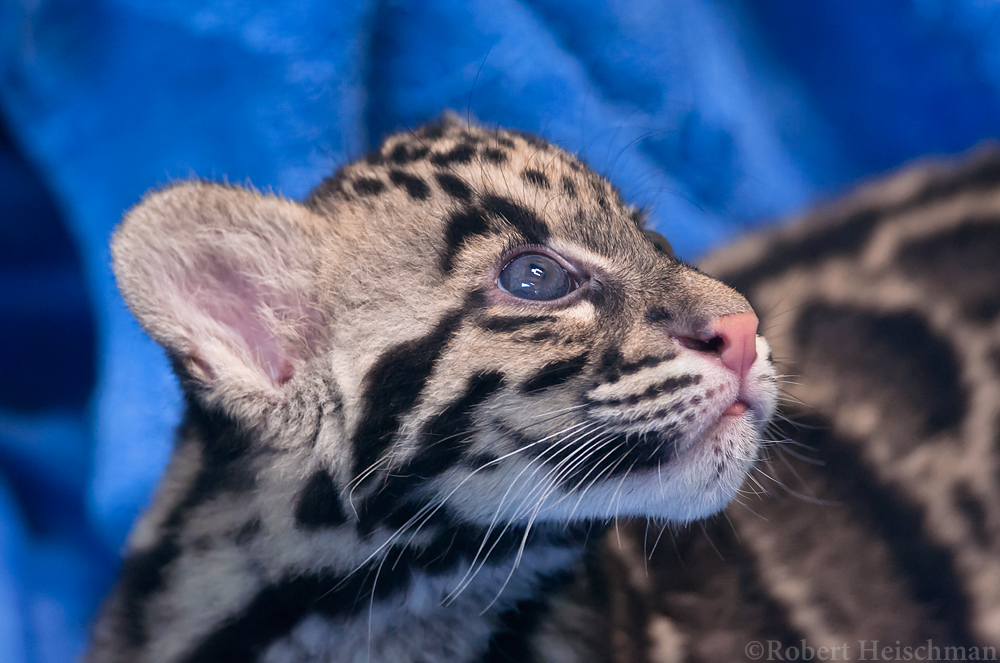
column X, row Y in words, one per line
column 461, row 226
column 509, row 323
column 224, row 468
column 638, row 218
column 494, row 156
column 519, row 216
column 393, row 503
column 536, row 177
column 610, row 366
column 595, row 294
column 625, row 453
column 471, row 138
column 543, row 335
column 658, row 314
column 667, row 386
column 483, row 462
column 432, row 131
column 415, row 187
column 403, row 154
column 459, row 154
column 531, row 140
column 368, row 186
column 892, row 360
column 334, row 185
column 454, row 186
column 628, row 368
column 319, row 503
column 144, row 574
column 512, row 640
column 446, row 435
column 279, row 607
column 568, row 187
column 613, row 365
column 960, row 264
column 555, row 373
column 503, row 140
column 393, row 385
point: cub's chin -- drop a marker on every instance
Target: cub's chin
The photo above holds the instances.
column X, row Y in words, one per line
column 696, row 481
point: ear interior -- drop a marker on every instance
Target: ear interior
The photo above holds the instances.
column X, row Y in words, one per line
column 224, row 279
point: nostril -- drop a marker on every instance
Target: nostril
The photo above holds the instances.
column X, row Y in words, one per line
column 732, row 338
column 708, row 343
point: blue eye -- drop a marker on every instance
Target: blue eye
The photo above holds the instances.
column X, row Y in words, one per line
column 534, row 276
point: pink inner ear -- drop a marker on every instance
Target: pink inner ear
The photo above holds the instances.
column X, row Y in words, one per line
column 228, row 296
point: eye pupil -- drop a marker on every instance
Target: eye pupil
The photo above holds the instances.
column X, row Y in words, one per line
column 536, row 277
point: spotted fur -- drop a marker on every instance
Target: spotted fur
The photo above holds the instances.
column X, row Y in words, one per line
column 881, row 521
column 386, row 457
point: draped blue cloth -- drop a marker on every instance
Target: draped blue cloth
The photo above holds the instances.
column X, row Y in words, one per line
column 716, row 115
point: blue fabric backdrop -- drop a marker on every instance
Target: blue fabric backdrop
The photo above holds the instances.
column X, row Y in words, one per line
column 718, row 115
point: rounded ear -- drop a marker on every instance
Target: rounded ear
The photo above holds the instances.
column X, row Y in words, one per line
column 224, row 279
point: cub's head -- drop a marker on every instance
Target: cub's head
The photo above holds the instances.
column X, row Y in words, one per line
column 468, row 321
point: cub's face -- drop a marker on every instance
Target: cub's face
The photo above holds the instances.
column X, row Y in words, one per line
column 466, row 322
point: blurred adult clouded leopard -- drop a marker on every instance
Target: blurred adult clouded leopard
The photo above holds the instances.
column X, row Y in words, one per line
column 412, row 399
column 886, row 307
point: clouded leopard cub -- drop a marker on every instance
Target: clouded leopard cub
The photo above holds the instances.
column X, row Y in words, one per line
column 412, row 399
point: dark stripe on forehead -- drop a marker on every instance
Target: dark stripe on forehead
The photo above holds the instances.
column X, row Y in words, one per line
column 494, row 156
column 523, row 219
column 568, row 187
column 509, row 323
column 368, row 186
column 392, row 387
column 459, row 154
column 403, row 154
column 535, row 177
column 532, row 140
column 462, row 225
column 432, row 131
column 556, row 373
column 415, row 187
column 454, row 186
column 319, row 503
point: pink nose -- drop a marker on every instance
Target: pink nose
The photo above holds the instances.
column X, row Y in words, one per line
column 733, row 338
